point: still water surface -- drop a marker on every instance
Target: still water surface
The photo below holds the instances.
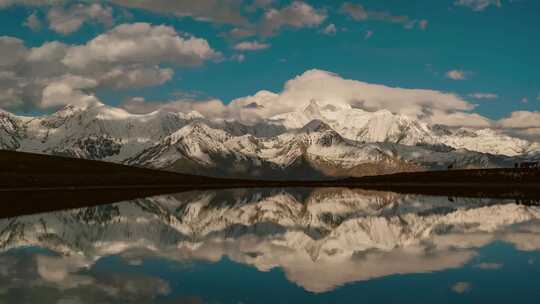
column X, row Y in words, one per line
column 276, row 246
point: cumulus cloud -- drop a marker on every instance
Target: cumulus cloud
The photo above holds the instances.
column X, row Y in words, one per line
column 33, row 22
column 251, row 46
column 359, row 13
column 223, row 11
column 239, row 33
column 140, row 42
column 208, row 108
column 125, row 77
column 11, row 90
column 525, row 124
column 67, row 21
column 478, row 5
column 69, row 90
column 12, row 50
column 330, row 89
column 297, row 15
column 456, row 75
column 524, row 237
column 128, row 56
column 73, row 279
column 459, row 119
column 521, row 120
column 484, row 95
column 356, row 11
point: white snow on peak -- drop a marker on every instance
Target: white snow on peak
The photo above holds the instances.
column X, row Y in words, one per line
column 333, row 136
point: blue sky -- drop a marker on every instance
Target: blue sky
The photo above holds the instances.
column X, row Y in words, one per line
column 493, row 47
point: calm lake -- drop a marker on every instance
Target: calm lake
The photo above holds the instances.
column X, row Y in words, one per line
column 276, row 246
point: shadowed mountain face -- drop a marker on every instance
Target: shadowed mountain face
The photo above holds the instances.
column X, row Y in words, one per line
column 320, row 239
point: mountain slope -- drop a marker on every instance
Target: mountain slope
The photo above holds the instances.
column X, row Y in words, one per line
column 315, row 142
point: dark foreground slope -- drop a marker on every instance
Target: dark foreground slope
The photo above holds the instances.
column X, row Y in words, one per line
column 31, row 183
column 27, row 170
column 520, row 184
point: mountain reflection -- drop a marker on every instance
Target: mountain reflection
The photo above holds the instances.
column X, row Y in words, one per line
column 320, row 238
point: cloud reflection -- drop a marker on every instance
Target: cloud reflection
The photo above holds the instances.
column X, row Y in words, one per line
column 321, row 238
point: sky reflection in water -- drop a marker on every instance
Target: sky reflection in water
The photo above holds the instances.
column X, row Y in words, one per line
column 275, row 246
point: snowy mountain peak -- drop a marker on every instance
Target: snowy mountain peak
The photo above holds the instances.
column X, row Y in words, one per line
column 318, row 140
column 313, row 110
column 316, row 125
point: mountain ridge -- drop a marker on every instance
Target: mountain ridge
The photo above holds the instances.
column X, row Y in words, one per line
column 322, row 140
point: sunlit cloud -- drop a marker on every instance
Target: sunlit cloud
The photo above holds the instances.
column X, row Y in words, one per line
column 330, row 30
column 456, row 75
column 33, row 22
column 484, row 96
column 478, row 5
column 251, row 46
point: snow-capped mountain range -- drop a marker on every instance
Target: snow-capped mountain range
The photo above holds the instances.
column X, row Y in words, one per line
column 317, row 142
column 321, row 239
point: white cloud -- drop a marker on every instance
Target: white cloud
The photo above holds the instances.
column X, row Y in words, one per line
column 222, row 11
column 33, row 22
column 50, row 51
column 331, row 89
column 10, row 90
column 456, row 75
column 521, row 120
column 459, row 119
column 209, row 108
column 67, row 21
column 140, row 42
column 524, row 237
column 297, row 15
column 74, row 275
column 68, row 90
column 125, row 77
column 12, row 51
column 478, row 5
column 330, row 30
column 239, row 33
column 524, row 124
column 484, row 96
column 128, row 56
column 461, row 287
column 356, row 11
column 251, row 46
column 359, row 13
